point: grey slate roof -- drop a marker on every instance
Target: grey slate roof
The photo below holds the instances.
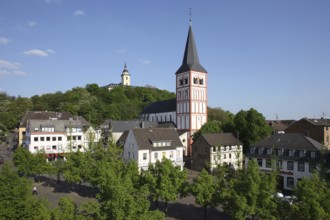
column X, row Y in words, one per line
column 58, row 125
column 190, row 58
column 216, row 139
column 121, row 126
column 145, row 137
column 161, row 106
column 289, row 141
column 320, row 122
column 44, row 115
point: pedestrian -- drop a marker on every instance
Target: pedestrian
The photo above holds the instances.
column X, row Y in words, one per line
column 34, row 192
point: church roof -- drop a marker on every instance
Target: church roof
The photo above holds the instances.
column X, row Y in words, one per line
column 161, row 106
column 190, row 58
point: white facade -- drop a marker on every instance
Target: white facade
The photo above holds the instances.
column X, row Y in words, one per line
column 191, row 107
column 145, row 155
column 291, row 171
column 229, row 155
column 57, row 137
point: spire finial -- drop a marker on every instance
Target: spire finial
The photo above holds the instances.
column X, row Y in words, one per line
column 190, row 16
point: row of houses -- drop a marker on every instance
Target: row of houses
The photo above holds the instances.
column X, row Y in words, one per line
column 296, row 155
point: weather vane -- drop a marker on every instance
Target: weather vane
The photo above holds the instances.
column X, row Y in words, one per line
column 190, row 15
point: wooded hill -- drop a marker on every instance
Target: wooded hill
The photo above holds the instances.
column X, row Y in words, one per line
column 92, row 102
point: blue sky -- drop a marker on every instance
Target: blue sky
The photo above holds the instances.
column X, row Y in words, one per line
column 271, row 55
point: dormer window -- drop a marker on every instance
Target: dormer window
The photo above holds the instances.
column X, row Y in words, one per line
column 301, row 153
column 290, row 153
column 260, row 151
column 269, row 151
column 312, row 154
column 252, row 150
column 279, row 152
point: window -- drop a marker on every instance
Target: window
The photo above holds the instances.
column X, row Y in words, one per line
column 259, row 162
column 279, row 152
column 224, row 156
column 53, row 138
column 301, row 166
column 252, row 150
column 201, row 81
column 144, row 156
column 313, row 154
column 290, row 153
column 214, row 149
column 301, row 153
column 181, row 82
column 79, row 138
column 74, row 137
column 47, row 138
column 290, row 165
column 269, row 151
column 36, row 139
column 268, row 163
column 54, row 147
column 156, row 155
column 279, row 164
column 59, row 138
column 195, row 80
column 260, row 151
column 42, row 138
column 289, row 181
column 129, row 154
column 178, row 154
column 229, row 155
column 69, row 138
column 79, row 146
column 171, row 154
column 312, row 167
column 164, row 154
column 185, row 81
column 35, row 147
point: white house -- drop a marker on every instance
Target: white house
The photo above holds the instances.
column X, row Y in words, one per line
column 211, row 150
column 147, row 145
column 296, row 156
column 56, row 137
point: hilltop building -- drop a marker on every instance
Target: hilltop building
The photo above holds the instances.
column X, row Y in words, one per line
column 189, row 110
column 125, row 79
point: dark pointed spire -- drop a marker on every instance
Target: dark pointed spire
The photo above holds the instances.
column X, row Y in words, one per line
column 190, row 58
column 125, row 71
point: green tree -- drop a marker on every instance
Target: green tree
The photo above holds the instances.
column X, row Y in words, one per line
column 251, row 193
column 208, row 127
column 204, row 189
column 17, row 201
column 66, row 209
column 76, row 168
column 165, row 181
column 251, row 127
column 29, row 164
column 312, row 199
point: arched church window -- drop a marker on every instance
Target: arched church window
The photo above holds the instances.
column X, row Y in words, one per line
column 195, row 80
column 180, row 82
column 201, row 81
column 185, row 81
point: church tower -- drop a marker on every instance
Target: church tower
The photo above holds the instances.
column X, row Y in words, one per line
column 191, row 92
column 125, row 77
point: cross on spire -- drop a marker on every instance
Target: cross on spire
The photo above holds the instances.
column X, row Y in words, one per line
column 190, row 16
